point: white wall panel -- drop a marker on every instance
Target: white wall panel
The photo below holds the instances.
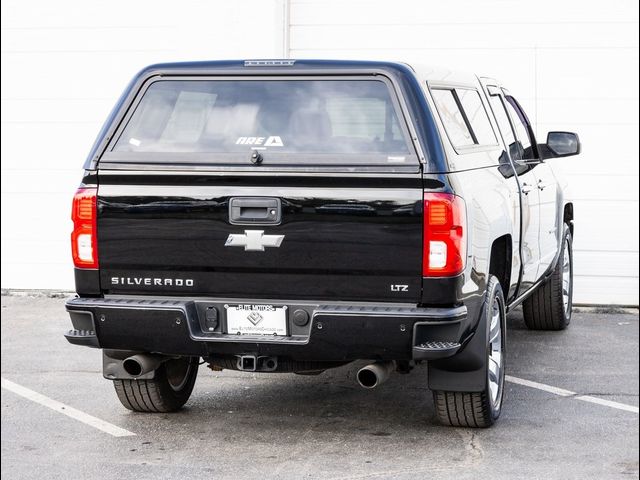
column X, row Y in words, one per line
column 456, row 36
column 490, row 12
column 573, row 65
column 607, row 264
column 607, row 290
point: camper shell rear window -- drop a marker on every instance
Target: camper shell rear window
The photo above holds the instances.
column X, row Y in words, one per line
column 288, row 120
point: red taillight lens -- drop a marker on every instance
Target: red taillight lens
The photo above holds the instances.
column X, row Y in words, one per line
column 444, row 235
column 84, row 244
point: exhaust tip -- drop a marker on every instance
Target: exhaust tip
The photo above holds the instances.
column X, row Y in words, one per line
column 375, row 374
column 132, row 367
column 367, row 378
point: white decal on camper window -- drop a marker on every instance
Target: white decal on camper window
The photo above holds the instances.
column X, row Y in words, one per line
column 273, row 141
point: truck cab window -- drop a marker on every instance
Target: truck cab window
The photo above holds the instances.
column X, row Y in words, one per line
column 523, row 128
column 515, row 148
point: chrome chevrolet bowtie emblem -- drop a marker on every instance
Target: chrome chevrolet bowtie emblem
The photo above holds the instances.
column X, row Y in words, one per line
column 253, row 240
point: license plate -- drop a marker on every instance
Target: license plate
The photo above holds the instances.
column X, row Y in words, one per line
column 256, row 320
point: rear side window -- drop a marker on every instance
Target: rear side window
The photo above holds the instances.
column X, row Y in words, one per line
column 464, row 117
column 451, row 114
column 358, row 120
column 477, row 116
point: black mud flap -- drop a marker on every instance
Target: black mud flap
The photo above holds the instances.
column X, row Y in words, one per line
column 467, row 370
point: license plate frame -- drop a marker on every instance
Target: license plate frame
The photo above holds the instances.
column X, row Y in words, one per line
column 256, row 320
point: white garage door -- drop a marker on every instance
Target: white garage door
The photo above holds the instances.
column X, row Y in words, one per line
column 573, row 65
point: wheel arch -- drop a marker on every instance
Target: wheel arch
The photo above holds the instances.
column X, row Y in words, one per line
column 568, row 216
column 501, row 261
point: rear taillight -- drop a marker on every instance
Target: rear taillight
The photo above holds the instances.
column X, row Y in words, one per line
column 444, row 235
column 84, row 244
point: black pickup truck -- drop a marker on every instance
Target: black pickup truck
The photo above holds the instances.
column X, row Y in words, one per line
column 294, row 216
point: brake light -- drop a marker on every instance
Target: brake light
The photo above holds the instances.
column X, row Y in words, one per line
column 84, row 243
column 444, row 235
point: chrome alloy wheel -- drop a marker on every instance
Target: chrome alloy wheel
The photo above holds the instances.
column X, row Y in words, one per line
column 566, row 279
column 496, row 355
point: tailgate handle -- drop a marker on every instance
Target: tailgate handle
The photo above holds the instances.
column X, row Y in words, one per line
column 255, row 211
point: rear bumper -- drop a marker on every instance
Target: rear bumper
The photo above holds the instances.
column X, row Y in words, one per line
column 333, row 332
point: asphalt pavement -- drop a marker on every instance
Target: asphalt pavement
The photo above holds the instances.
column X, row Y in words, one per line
column 571, row 411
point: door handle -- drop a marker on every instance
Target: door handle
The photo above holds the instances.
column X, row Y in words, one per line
column 255, row 211
column 526, row 188
column 542, row 185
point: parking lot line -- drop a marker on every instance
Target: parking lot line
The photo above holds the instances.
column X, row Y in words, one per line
column 65, row 409
column 568, row 393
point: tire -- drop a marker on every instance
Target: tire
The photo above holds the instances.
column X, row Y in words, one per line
column 549, row 306
column 481, row 409
column 168, row 391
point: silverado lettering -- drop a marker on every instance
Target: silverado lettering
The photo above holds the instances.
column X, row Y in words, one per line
column 147, row 281
column 418, row 208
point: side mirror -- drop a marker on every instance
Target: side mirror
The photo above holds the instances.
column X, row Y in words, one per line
column 562, row 144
